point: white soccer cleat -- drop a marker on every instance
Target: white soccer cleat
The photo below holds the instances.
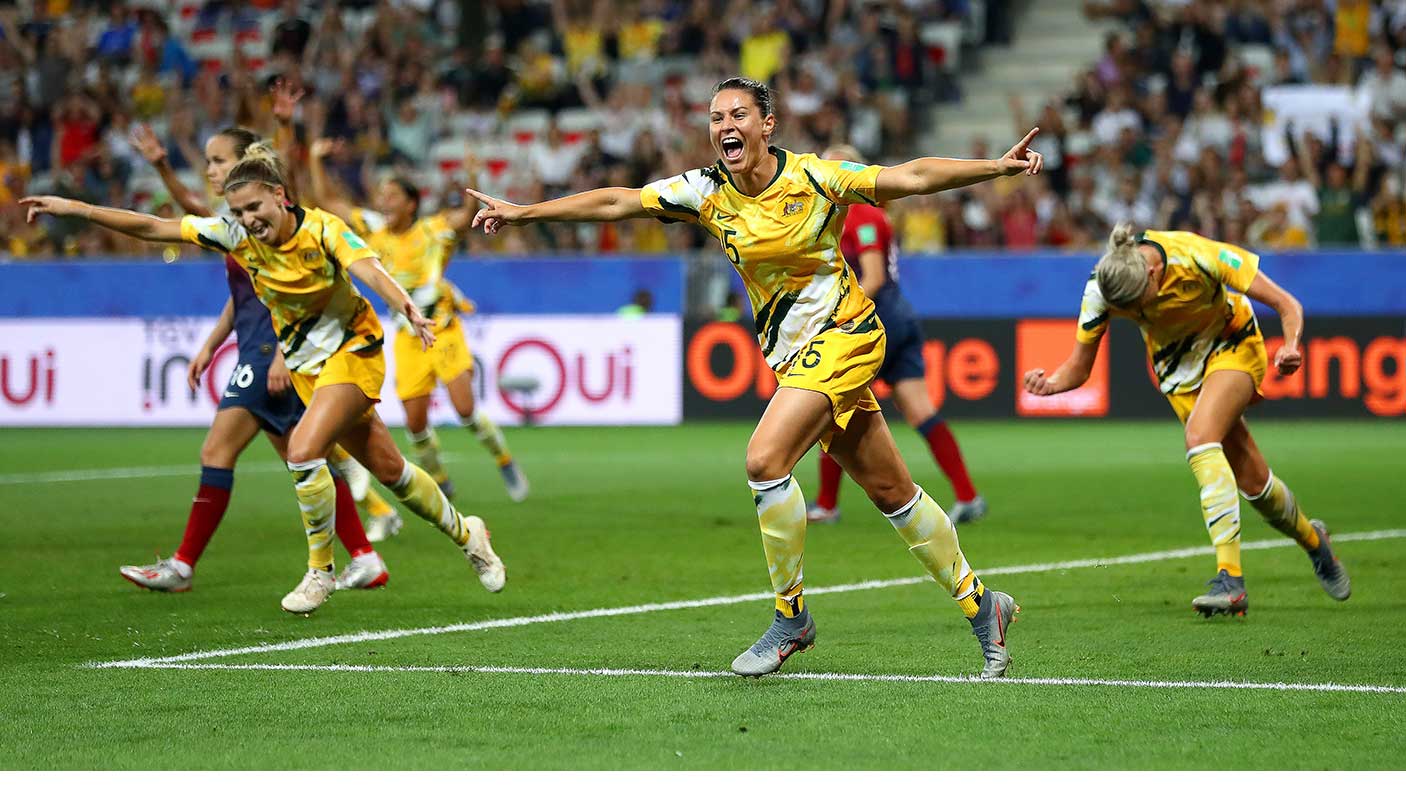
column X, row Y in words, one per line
column 364, row 571
column 316, row 587
column 514, row 481
column 357, row 477
column 159, row 576
column 380, row 528
column 485, row 561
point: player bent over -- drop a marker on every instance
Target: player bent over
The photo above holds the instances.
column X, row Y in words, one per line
column 1190, row 296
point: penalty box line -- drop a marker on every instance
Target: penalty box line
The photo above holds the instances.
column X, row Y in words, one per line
column 716, row 601
column 615, row 672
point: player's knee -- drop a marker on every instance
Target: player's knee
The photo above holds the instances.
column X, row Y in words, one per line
column 889, row 494
column 766, row 465
column 385, row 465
column 1196, row 436
column 214, row 454
column 301, row 452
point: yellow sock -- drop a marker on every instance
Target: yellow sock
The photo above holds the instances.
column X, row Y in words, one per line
column 1280, row 509
column 1220, row 503
column 924, row 526
column 427, row 453
column 376, row 505
column 317, row 500
column 423, row 497
column 781, row 510
column 490, row 436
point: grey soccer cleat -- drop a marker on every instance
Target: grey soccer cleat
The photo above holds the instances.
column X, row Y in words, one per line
column 784, row 637
column 1331, row 574
column 514, row 481
column 817, row 514
column 1227, row 596
column 995, row 614
column 964, row 511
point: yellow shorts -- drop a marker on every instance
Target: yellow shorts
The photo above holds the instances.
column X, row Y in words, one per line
column 419, row 370
column 1247, row 355
column 365, row 369
column 840, row 365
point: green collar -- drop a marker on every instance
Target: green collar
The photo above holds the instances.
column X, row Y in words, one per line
column 780, row 153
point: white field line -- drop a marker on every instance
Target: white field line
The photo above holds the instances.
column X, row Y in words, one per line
column 716, row 601
column 124, row 473
column 615, row 672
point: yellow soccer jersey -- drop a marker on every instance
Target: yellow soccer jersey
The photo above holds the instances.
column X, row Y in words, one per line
column 784, row 242
column 416, row 258
column 1200, row 307
column 316, row 309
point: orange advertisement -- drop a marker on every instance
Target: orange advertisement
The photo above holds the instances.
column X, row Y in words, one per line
column 1045, row 343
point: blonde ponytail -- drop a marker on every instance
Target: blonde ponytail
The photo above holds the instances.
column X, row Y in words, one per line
column 260, row 164
column 1122, row 272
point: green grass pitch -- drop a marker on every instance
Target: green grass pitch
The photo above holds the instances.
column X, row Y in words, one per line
column 624, row 517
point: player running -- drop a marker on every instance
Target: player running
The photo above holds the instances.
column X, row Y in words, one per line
column 259, row 395
column 415, row 251
column 868, row 241
column 1188, row 295
column 778, row 217
column 301, row 262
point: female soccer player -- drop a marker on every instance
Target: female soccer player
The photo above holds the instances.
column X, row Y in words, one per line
column 415, row 251
column 1188, row 295
column 301, row 262
column 258, row 396
column 868, row 243
column 777, row 216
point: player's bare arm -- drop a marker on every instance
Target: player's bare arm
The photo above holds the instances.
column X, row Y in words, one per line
column 147, row 144
column 224, row 325
column 927, row 175
column 1070, row 375
column 370, row 272
column 1290, row 356
column 600, row 205
column 873, row 271
column 324, row 195
column 135, row 224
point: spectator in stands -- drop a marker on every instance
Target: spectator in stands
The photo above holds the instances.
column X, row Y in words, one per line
column 1389, row 211
column 1384, row 86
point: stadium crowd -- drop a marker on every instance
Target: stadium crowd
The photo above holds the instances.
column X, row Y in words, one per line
column 539, row 97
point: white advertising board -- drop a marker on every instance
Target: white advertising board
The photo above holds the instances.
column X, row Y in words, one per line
column 587, row 370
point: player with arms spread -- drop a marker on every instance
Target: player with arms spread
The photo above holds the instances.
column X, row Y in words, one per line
column 778, row 216
column 1190, row 297
column 258, row 396
column 415, row 251
column 301, row 262
column 868, row 243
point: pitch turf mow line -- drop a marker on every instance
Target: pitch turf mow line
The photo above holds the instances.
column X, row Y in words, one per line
column 609, row 612
column 616, row 672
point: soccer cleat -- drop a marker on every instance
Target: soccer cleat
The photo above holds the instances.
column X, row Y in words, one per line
column 1331, row 574
column 159, row 576
column 489, row 567
column 446, row 486
column 820, row 515
column 515, row 481
column 1227, row 596
column 357, row 477
column 380, row 528
column 964, row 511
column 785, row 636
column 317, row 585
column 993, row 617
column 365, row 571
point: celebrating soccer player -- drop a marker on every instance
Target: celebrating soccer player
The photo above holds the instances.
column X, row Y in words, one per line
column 868, row 243
column 778, row 216
column 415, row 251
column 301, row 262
column 258, row 396
column 1190, row 296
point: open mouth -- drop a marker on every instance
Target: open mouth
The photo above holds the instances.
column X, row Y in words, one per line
column 732, row 148
column 259, row 229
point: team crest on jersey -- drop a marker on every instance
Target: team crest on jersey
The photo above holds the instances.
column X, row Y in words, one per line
column 309, row 255
column 793, row 207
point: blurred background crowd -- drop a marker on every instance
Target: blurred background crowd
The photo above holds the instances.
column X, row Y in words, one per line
column 1273, row 123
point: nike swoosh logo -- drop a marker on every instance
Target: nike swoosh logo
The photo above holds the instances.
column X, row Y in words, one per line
column 231, row 394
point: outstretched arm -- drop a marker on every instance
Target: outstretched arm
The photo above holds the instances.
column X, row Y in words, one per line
column 1290, row 356
column 927, row 175
column 1070, row 375
column 324, row 195
column 223, row 327
column 370, row 272
column 141, row 226
column 144, row 140
column 600, row 205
